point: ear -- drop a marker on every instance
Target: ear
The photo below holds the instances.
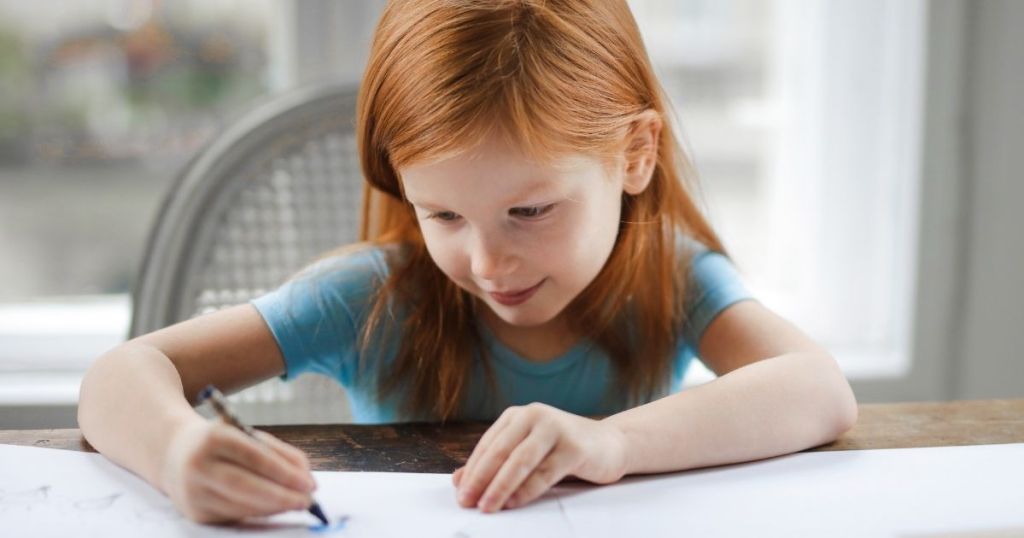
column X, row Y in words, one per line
column 641, row 151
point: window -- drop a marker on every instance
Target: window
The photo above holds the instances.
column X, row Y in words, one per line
column 803, row 118
column 102, row 104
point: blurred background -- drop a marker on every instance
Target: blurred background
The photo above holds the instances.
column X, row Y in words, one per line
column 855, row 155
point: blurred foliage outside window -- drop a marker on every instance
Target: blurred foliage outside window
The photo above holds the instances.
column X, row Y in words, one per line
column 101, row 104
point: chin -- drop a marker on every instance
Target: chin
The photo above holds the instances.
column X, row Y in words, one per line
column 523, row 317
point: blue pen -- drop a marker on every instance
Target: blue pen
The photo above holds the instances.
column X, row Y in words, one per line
column 220, row 405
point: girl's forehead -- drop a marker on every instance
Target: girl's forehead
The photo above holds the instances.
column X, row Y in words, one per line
column 495, row 152
column 495, row 169
column 507, row 177
column 514, row 167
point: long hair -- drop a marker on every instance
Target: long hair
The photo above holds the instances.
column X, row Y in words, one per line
column 559, row 77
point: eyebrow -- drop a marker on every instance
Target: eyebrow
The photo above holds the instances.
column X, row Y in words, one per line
column 530, row 190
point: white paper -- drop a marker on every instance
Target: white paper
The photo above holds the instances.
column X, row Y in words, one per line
column 893, row 492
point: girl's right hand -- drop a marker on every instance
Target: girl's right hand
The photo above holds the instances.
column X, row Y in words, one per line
column 214, row 473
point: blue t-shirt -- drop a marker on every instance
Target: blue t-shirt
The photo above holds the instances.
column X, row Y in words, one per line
column 317, row 318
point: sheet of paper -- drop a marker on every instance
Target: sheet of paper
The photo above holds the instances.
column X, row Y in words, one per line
column 898, row 492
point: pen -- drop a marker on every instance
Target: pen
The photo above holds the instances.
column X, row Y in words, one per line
column 220, row 405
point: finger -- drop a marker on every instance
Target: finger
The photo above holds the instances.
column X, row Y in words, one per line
column 457, row 476
column 517, row 468
column 476, row 478
column 507, row 416
column 251, row 454
column 255, row 493
column 553, row 469
column 290, row 452
column 217, row 508
column 485, row 441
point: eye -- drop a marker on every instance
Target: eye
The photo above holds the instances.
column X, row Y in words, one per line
column 531, row 212
column 443, row 216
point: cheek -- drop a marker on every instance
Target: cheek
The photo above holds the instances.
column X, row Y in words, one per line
column 596, row 238
column 444, row 250
column 580, row 245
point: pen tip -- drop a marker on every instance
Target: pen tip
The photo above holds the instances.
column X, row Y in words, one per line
column 205, row 393
column 316, row 511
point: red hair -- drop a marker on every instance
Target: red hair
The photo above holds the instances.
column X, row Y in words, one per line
column 558, row 77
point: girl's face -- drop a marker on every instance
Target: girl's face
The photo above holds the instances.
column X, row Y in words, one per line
column 524, row 237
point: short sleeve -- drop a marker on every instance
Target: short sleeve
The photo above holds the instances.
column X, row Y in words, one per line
column 713, row 284
column 316, row 317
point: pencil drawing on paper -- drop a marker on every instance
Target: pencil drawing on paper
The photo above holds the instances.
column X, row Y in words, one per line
column 99, row 503
column 43, row 497
column 23, row 498
column 47, row 501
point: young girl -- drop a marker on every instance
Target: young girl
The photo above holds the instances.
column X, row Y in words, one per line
column 531, row 255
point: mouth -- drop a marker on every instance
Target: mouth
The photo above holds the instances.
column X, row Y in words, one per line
column 516, row 297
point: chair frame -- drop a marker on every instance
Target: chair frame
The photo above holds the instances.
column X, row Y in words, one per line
column 205, row 187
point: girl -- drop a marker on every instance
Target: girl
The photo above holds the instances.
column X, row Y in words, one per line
column 530, row 254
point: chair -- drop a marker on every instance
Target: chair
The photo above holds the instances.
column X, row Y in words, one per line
column 277, row 188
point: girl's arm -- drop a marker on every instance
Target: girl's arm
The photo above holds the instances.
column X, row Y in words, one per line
column 778, row 392
column 135, row 408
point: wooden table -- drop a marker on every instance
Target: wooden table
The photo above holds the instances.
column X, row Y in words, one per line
column 432, row 448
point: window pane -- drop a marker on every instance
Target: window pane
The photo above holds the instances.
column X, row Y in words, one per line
column 102, row 103
column 802, row 119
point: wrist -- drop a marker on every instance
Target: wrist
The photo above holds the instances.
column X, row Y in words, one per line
column 624, row 444
column 176, row 429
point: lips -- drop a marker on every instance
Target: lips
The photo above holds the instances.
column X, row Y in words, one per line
column 515, row 297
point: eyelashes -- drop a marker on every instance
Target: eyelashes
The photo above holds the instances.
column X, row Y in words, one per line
column 443, row 216
column 533, row 212
column 525, row 213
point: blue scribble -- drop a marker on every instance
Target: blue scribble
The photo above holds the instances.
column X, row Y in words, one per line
column 338, row 525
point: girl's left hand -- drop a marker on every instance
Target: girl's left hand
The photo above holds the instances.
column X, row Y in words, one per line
column 529, row 449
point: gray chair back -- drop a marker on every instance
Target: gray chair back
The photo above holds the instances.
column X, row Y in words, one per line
column 279, row 187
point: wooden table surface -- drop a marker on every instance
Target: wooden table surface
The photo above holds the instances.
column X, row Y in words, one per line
column 433, row 448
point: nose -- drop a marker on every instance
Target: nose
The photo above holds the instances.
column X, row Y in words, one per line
column 490, row 257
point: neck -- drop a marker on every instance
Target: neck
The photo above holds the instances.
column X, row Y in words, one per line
column 539, row 343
